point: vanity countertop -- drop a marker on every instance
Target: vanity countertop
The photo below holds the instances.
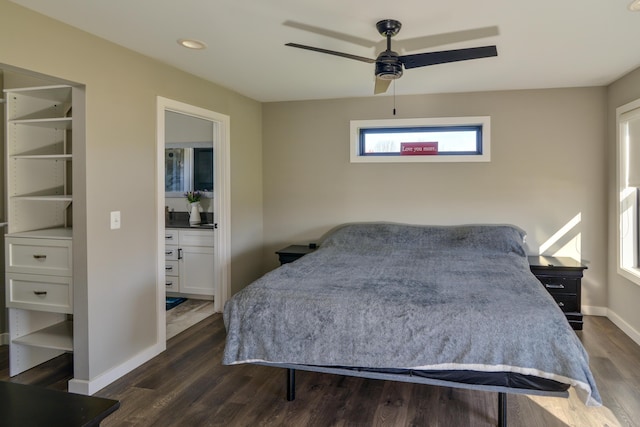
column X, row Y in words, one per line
column 181, row 220
column 179, row 224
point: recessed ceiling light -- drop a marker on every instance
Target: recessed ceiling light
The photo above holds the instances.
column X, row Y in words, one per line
column 192, row 44
column 634, row 6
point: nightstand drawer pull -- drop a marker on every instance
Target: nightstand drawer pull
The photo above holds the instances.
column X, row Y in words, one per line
column 40, row 292
column 554, row 285
column 40, row 256
column 168, row 253
column 561, row 304
column 168, row 268
column 169, row 283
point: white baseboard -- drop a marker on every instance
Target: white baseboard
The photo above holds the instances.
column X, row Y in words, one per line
column 90, row 387
column 591, row 310
column 624, row 326
column 4, row 339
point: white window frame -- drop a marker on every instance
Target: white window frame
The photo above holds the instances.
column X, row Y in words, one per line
column 627, row 203
column 483, row 121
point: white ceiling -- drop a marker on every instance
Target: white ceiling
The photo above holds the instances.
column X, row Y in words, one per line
column 541, row 43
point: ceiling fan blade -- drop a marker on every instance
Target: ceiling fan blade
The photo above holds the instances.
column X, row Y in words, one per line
column 332, row 52
column 442, row 39
column 381, row 86
column 329, row 33
column 444, row 56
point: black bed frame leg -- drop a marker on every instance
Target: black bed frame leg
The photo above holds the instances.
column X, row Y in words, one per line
column 502, row 409
column 291, row 384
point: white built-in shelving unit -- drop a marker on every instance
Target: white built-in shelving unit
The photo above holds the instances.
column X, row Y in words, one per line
column 38, row 243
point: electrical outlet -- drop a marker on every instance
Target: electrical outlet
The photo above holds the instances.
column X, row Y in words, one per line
column 115, row 220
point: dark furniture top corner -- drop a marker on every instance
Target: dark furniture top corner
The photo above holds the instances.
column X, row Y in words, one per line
column 561, row 277
column 293, row 252
column 29, row 405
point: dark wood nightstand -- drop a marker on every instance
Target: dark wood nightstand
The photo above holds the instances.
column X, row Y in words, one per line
column 293, row 252
column 561, row 277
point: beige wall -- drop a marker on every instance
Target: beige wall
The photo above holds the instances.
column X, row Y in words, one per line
column 119, row 320
column 624, row 295
column 547, row 169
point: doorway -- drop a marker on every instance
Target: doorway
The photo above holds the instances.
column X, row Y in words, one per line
column 220, row 203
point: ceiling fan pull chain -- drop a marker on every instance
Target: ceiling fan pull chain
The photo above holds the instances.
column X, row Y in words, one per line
column 394, row 97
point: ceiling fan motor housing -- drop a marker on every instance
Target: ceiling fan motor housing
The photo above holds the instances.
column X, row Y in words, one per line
column 388, row 66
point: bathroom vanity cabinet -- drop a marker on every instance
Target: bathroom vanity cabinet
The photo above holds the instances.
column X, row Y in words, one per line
column 189, row 262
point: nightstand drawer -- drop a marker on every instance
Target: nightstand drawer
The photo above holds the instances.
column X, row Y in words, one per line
column 559, row 285
column 567, row 302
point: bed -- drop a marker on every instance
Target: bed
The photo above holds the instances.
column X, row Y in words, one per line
column 446, row 305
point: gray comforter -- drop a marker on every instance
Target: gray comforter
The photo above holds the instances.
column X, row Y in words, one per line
column 419, row 297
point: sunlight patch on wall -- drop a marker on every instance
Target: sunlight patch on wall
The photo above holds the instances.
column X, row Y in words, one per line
column 566, row 242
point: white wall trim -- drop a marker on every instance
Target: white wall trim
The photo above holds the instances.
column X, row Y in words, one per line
column 221, row 201
column 92, row 386
column 591, row 310
column 624, row 326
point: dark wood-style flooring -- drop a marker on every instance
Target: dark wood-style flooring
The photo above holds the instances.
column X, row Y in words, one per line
column 188, row 386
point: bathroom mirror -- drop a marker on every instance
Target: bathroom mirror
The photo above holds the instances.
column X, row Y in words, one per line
column 188, row 159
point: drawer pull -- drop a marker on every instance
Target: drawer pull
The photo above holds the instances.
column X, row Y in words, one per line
column 561, row 304
column 168, row 268
column 554, row 286
column 168, row 237
column 168, row 253
column 40, row 292
column 40, row 256
column 169, row 283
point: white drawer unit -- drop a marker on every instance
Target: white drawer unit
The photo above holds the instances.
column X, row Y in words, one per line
column 172, row 268
column 171, row 253
column 172, row 265
column 172, row 284
column 189, row 261
column 38, row 256
column 172, row 273
column 37, row 292
column 170, row 236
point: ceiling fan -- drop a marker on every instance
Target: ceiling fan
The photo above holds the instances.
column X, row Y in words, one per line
column 389, row 65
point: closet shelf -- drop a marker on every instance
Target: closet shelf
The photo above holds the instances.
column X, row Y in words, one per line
column 63, row 233
column 43, row 156
column 57, row 337
column 55, row 123
column 56, row 198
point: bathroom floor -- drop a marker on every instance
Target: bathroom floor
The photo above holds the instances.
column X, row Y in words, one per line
column 187, row 314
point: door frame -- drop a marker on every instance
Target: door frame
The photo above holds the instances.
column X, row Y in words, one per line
column 221, row 204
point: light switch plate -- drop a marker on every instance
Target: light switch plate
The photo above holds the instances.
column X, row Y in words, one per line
column 115, row 220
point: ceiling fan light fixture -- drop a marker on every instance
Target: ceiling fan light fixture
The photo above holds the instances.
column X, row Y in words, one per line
column 634, row 6
column 387, row 71
column 192, row 44
column 388, row 66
